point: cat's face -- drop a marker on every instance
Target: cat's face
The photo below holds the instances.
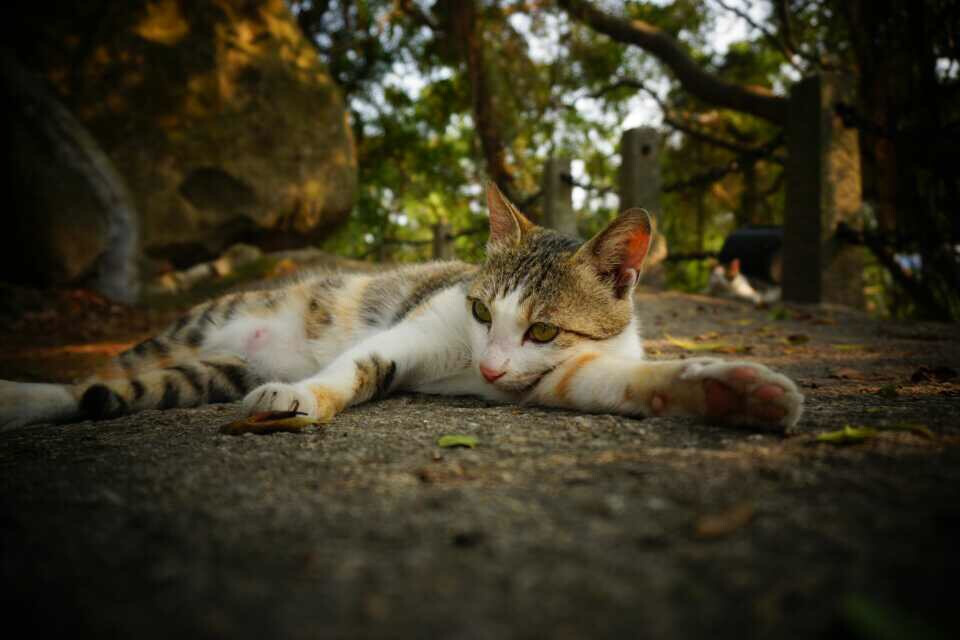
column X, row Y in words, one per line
column 541, row 297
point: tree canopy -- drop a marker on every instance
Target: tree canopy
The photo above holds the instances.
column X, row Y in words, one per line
column 446, row 93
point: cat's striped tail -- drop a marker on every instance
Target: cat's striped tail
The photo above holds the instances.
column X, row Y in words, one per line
column 212, row 379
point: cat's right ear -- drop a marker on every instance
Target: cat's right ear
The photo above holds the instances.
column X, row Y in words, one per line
column 507, row 224
column 617, row 253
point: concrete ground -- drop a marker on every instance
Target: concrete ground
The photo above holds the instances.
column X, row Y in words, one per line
column 557, row 525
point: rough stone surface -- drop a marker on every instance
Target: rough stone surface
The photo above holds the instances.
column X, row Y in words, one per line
column 217, row 113
column 557, row 525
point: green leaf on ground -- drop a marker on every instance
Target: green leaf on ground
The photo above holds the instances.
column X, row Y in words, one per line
column 453, row 440
column 848, row 435
column 780, row 313
column 888, row 391
column 919, row 429
column 849, row 347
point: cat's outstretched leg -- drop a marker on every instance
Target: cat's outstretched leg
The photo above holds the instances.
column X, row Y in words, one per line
column 727, row 392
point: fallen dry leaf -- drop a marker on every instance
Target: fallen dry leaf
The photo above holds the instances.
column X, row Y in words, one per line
column 847, row 373
column 269, row 422
column 718, row 525
column 690, row 345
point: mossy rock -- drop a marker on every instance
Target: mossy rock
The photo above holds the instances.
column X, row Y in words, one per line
column 217, row 113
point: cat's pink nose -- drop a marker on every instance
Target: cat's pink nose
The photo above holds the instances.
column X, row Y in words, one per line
column 491, row 375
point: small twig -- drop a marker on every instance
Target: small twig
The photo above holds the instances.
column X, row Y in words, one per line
column 586, row 186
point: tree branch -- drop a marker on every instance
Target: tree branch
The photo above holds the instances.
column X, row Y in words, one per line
column 695, row 80
column 788, row 52
column 682, row 125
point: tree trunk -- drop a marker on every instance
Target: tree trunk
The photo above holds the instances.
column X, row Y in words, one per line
column 466, row 32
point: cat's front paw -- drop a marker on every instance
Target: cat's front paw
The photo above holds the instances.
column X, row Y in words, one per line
column 745, row 393
column 279, row 396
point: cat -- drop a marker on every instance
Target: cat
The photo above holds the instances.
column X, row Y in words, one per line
column 727, row 281
column 545, row 320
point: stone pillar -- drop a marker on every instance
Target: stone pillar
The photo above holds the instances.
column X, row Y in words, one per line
column 558, row 197
column 442, row 241
column 823, row 189
column 640, row 187
column 640, row 169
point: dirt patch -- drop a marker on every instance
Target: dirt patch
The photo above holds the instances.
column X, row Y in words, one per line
column 556, row 524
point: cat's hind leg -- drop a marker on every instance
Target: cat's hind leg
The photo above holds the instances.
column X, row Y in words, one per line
column 207, row 380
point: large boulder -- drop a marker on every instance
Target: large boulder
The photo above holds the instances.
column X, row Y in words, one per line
column 217, row 113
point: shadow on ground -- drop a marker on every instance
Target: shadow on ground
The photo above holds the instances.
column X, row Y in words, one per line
column 557, row 525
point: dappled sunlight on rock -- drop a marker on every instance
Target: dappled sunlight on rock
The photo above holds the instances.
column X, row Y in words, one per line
column 163, row 24
column 230, row 86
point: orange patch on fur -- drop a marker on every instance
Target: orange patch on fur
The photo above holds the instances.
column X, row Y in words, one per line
column 324, row 396
column 571, row 371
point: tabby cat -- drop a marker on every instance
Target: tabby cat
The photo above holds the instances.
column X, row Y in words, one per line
column 544, row 320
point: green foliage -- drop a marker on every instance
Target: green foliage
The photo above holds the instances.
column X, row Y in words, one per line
column 549, row 78
column 559, row 88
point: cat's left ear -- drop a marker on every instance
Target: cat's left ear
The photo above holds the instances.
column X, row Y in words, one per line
column 617, row 252
column 507, row 224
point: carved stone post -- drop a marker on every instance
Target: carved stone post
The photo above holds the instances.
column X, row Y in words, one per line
column 558, row 197
column 640, row 187
column 823, row 189
column 442, row 241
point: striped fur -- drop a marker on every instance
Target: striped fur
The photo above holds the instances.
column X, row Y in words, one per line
column 207, row 381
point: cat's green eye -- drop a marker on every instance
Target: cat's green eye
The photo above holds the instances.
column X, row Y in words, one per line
column 480, row 312
column 542, row 332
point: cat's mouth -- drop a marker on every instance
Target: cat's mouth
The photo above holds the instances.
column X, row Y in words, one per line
column 522, row 384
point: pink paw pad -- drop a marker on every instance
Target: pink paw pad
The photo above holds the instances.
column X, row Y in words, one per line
column 721, row 400
column 768, row 392
column 743, row 374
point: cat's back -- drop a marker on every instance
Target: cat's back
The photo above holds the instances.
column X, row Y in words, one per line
column 382, row 299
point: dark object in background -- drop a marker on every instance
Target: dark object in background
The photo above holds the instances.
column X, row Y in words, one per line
column 759, row 250
column 217, row 114
column 69, row 216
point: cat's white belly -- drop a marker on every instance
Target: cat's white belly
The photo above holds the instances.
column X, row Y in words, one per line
column 274, row 346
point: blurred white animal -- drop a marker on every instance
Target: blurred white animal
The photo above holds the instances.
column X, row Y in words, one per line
column 726, row 281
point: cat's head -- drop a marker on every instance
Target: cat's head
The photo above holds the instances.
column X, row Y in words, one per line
column 541, row 297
